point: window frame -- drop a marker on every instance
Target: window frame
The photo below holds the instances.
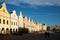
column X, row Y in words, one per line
column 0, row 21
column 7, row 22
column 3, row 21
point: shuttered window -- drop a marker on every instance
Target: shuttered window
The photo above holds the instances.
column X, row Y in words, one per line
column 3, row 21
column 0, row 20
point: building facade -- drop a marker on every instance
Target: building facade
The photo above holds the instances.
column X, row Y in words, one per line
column 11, row 22
column 25, row 22
column 20, row 20
column 44, row 27
column 14, row 21
column 37, row 27
column 28, row 24
column 4, row 18
column 32, row 26
column 40, row 26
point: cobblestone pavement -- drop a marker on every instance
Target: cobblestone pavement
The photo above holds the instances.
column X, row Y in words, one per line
column 40, row 36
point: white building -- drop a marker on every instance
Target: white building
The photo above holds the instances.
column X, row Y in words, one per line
column 20, row 17
column 40, row 25
column 14, row 21
column 32, row 26
column 37, row 27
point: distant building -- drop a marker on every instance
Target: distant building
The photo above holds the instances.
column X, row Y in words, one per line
column 44, row 27
column 29, row 24
column 20, row 20
column 32, row 27
column 25, row 22
column 40, row 26
column 56, row 27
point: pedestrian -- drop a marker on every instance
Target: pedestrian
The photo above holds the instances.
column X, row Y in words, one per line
column 47, row 34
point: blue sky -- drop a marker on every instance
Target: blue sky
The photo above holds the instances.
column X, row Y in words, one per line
column 42, row 11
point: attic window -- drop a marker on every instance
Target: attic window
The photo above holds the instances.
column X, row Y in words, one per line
column 3, row 10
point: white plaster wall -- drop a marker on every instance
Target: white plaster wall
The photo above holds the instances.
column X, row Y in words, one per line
column 14, row 18
column 40, row 26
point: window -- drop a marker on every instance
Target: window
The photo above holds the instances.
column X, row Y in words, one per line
column 0, row 20
column 7, row 21
column 3, row 21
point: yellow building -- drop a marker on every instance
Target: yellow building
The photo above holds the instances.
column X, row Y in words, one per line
column 43, row 27
column 32, row 26
column 20, row 20
column 37, row 27
column 4, row 19
column 40, row 25
column 28, row 24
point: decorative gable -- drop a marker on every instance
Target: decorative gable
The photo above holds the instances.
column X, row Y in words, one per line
column 21, row 20
column 3, row 10
column 13, row 15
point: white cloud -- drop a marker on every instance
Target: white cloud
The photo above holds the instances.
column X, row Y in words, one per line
column 41, row 2
column 33, row 3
